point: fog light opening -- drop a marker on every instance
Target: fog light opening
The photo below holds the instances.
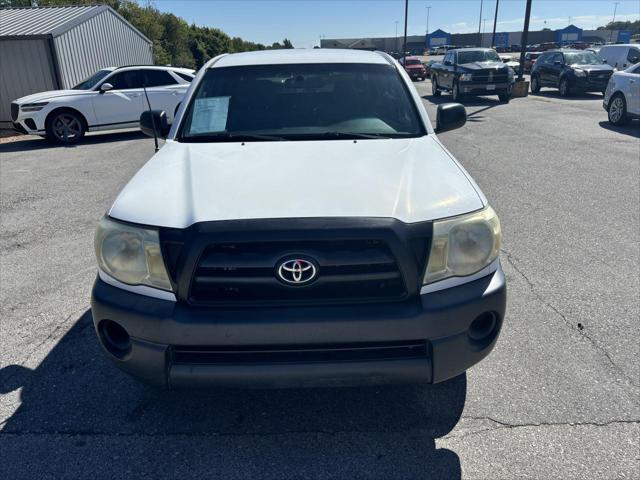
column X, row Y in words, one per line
column 115, row 338
column 483, row 327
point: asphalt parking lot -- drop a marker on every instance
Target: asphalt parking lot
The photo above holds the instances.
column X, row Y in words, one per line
column 558, row 398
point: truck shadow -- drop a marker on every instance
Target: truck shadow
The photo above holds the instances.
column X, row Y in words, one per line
column 632, row 128
column 554, row 93
column 75, row 394
column 31, row 142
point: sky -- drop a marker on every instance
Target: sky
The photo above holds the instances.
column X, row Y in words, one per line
column 304, row 22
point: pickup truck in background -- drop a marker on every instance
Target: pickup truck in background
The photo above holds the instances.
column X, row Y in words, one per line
column 472, row 71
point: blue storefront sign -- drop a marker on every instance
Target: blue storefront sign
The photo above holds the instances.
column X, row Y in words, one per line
column 624, row 36
column 437, row 38
column 502, row 39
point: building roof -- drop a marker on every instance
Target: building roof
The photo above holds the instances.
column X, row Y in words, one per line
column 50, row 21
column 286, row 56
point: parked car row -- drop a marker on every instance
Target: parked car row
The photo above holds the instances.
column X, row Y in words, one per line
column 112, row 98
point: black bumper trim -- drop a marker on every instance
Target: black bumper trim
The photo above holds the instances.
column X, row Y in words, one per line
column 441, row 319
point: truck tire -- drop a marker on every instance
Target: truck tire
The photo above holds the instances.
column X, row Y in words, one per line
column 435, row 90
column 504, row 97
column 455, row 92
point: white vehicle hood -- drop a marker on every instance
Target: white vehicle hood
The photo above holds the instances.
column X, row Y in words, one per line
column 48, row 95
column 411, row 180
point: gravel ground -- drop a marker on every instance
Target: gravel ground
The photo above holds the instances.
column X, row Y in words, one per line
column 558, row 398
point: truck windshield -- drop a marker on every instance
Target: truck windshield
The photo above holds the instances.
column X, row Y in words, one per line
column 413, row 61
column 91, row 82
column 300, row 102
column 478, row 56
column 581, row 58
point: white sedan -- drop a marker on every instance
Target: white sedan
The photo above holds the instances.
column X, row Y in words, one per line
column 622, row 97
column 112, row 98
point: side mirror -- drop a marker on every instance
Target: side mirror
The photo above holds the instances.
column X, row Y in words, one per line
column 604, row 60
column 105, row 87
column 450, row 116
column 154, row 118
column 448, row 63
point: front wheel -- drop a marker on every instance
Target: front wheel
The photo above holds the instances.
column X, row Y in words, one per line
column 564, row 88
column 435, row 90
column 455, row 92
column 618, row 111
column 535, row 84
column 65, row 127
column 504, row 97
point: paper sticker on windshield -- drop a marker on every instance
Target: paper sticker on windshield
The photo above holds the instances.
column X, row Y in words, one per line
column 209, row 115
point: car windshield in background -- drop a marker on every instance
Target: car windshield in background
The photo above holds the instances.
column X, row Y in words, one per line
column 581, row 58
column 91, row 82
column 301, row 102
column 478, row 56
column 413, row 62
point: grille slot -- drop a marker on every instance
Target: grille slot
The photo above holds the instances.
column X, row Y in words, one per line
column 498, row 76
column 14, row 111
column 212, row 355
column 348, row 270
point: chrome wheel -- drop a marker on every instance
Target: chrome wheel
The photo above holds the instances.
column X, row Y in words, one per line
column 66, row 127
column 616, row 110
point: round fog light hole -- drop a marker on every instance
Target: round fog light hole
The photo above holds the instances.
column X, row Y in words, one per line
column 483, row 326
column 116, row 338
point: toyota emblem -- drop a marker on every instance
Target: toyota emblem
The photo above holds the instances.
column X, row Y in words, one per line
column 296, row 271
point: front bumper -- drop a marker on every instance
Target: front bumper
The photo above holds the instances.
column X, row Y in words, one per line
column 587, row 84
column 440, row 320
column 468, row 88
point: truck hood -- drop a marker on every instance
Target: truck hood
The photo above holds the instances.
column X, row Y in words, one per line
column 482, row 65
column 411, row 180
column 48, row 95
column 594, row 68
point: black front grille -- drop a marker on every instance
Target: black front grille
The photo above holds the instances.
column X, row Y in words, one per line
column 600, row 76
column 14, row 111
column 348, row 271
column 261, row 354
column 490, row 76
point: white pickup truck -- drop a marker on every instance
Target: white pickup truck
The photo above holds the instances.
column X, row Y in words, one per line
column 302, row 225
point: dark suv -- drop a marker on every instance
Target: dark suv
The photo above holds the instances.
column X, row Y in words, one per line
column 570, row 71
column 472, row 71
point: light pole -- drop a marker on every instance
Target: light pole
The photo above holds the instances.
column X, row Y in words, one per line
column 615, row 9
column 404, row 43
column 480, row 26
column 495, row 21
column 428, row 8
column 426, row 36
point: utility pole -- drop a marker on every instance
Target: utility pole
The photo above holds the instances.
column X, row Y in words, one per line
column 404, row 44
column 615, row 9
column 480, row 26
column 495, row 21
column 395, row 47
column 525, row 38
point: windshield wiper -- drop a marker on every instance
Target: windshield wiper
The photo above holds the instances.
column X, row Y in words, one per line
column 351, row 135
column 231, row 136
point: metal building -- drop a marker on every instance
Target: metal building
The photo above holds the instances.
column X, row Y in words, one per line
column 50, row 48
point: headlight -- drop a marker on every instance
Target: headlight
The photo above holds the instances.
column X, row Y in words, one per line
column 580, row 73
column 465, row 77
column 463, row 245
column 131, row 254
column 33, row 107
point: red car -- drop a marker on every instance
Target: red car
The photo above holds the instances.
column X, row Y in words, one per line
column 529, row 60
column 414, row 68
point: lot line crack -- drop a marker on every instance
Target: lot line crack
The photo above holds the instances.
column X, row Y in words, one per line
column 501, row 425
column 532, row 288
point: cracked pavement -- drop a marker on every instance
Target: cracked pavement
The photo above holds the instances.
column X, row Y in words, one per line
column 558, row 397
